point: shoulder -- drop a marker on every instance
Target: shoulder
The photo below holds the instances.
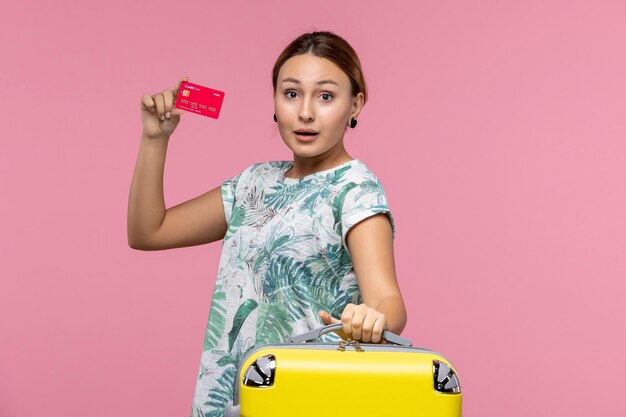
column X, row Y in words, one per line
column 362, row 196
column 360, row 177
column 363, row 172
column 358, row 187
column 351, row 181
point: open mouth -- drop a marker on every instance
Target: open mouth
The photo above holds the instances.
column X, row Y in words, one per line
column 303, row 136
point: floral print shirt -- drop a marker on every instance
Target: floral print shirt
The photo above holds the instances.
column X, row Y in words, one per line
column 284, row 257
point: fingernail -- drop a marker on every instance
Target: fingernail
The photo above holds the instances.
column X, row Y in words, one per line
column 167, row 115
column 162, row 117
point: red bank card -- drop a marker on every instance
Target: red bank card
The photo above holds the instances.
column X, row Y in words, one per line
column 198, row 99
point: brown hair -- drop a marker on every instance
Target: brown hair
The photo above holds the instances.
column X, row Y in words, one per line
column 330, row 46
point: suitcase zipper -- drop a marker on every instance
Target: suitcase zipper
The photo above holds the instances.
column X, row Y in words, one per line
column 350, row 342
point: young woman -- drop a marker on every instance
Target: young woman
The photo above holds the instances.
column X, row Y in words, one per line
column 306, row 242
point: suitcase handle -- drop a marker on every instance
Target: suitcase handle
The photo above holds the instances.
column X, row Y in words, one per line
column 314, row 334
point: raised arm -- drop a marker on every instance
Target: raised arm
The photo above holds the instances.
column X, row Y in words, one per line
column 150, row 225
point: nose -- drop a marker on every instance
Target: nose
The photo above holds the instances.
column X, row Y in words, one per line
column 306, row 111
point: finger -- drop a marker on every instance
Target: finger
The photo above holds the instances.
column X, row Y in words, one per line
column 327, row 318
column 147, row 102
column 177, row 112
column 360, row 312
column 368, row 326
column 177, row 88
column 331, row 320
column 160, row 106
column 346, row 319
column 168, row 102
column 321, row 314
column 379, row 326
column 324, row 316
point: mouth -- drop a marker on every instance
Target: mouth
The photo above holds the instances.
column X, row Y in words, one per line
column 306, row 135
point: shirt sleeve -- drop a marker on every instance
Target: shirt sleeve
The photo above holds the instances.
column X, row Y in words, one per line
column 229, row 188
column 364, row 200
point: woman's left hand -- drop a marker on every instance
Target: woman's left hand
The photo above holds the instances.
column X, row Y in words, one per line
column 360, row 322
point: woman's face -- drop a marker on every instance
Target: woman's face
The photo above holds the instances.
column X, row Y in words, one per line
column 313, row 93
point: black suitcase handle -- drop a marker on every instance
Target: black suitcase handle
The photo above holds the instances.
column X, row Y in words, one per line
column 314, row 334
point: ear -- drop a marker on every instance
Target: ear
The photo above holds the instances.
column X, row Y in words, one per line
column 357, row 104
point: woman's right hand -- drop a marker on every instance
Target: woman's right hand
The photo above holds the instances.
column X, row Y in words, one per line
column 155, row 110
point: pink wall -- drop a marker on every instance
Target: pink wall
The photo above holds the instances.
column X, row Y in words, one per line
column 497, row 129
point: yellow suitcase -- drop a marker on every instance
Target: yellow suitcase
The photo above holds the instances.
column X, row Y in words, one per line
column 300, row 379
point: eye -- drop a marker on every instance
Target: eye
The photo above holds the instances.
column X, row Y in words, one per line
column 289, row 92
column 327, row 94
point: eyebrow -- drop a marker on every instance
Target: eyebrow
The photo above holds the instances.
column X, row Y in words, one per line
column 293, row 80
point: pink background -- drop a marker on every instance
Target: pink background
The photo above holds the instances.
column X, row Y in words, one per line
column 496, row 127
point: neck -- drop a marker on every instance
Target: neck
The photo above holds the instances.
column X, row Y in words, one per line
column 303, row 166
